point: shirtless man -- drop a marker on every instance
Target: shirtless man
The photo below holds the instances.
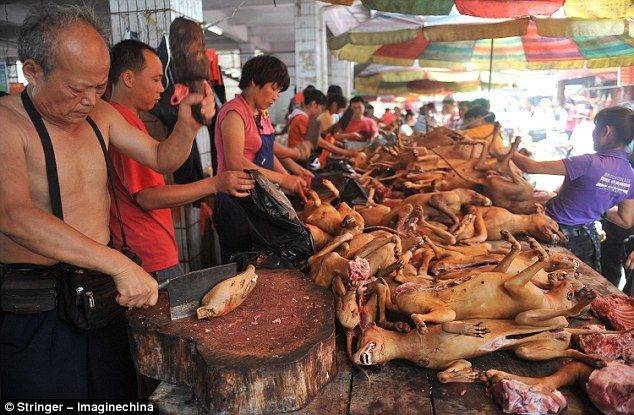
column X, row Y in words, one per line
column 66, row 60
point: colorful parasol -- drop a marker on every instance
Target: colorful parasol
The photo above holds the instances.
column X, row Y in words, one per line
column 503, row 8
column 531, row 51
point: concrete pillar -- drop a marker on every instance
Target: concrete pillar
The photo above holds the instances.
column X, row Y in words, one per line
column 247, row 51
column 311, row 61
column 149, row 19
column 340, row 73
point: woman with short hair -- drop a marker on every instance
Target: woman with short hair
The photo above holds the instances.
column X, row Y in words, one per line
column 244, row 139
column 593, row 184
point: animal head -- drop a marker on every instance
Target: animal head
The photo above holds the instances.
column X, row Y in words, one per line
column 569, row 293
column 371, row 347
column 545, row 228
column 471, row 197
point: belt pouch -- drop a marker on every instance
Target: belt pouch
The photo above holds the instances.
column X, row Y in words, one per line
column 88, row 299
column 22, row 293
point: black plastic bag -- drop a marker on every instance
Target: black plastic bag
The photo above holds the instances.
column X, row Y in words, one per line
column 276, row 231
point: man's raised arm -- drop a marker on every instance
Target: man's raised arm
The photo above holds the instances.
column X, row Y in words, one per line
column 170, row 154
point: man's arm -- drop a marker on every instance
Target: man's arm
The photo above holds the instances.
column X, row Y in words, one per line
column 622, row 215
column 44, row 234
column 528, row 165
column 232, row 129
column 170, row 154
column 236, row 183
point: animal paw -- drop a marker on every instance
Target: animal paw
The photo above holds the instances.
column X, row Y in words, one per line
column 420, row 324
column 595, row 360
column 464, row 375
column 402, row 327
column 541, row 252
column 494, row 376
column 466, row 329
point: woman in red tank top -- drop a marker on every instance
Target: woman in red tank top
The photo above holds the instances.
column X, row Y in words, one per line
column 243, row 141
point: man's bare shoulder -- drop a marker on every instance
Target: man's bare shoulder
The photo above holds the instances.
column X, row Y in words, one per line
column 13, row 118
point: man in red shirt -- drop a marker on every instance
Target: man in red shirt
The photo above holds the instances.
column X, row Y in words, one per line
column 360, row 128
column 143, row 197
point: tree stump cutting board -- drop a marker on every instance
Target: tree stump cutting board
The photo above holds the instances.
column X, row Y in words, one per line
column 271, row 354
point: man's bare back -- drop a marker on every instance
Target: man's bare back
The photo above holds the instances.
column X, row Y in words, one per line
column 82, row 176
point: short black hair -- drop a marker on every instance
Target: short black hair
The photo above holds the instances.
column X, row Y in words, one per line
column 340, row 100
column 619, row 118
column 448, row 100
column 127, row 55
column 264, row 69
column 480, row 112
column 357, row 99
column 334, row 90
column 314, row 95
column 409, row 113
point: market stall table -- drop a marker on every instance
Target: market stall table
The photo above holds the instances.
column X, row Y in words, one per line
column 403, row 388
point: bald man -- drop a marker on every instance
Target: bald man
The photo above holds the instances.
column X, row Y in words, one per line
column 66, row 61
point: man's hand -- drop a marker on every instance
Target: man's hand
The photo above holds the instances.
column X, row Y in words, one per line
column 136, row 287
column 629, row 262
column 207, row 103
column 236, row 183
column 295, row 184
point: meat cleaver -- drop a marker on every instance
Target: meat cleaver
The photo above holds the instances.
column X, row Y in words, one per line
column 186, row 291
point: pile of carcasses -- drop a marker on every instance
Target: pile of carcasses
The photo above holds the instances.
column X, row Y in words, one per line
column 435, row 243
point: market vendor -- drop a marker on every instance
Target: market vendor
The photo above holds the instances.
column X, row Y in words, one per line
column 144, row 200
column 244, row 139
column 312, row 107
column 360, row 128
column 593, row 184
column 335, row 105
column 54, row 212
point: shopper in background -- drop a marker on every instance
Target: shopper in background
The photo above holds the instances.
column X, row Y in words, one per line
column 335, row 105
column 594, row 184
column 312, row 107
column 361, row 128
column 449, row 112
column 408, row 123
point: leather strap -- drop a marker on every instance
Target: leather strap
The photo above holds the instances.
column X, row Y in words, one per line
column 51, row 165
column 49, row 155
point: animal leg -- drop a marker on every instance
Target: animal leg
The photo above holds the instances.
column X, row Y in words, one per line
column 385, row 301
column 373, row 246
column 552, row 349
column 522, row 278
column 465, row 329
column 516, row 248
column 570, row 374
column 427, row 255
column 445, row 236
column 481, row 165
column 334, row 244
column 480, row 233
column 440, row 204
column 402, row 216
column 438, row 315
column 555, row 318
column 459, row 371
column 334, row 192
column 504, row 166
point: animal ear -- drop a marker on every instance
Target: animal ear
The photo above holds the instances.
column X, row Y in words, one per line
column 539, row 208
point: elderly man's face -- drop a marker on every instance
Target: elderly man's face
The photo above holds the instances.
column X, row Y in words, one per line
column 69, row 92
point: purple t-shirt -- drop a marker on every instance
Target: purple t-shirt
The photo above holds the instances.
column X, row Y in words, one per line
column 594, row 183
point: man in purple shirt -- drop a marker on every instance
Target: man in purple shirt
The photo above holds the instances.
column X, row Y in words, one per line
column 594, row 184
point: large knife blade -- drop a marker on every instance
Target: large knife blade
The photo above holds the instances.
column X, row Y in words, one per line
column 186, row 291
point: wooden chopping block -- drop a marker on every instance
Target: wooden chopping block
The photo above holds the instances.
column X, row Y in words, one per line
column 271, row 354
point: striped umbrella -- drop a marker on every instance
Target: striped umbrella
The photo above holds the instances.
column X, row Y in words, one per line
column 503, row 8
column 531, row 51
column 400, row 80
